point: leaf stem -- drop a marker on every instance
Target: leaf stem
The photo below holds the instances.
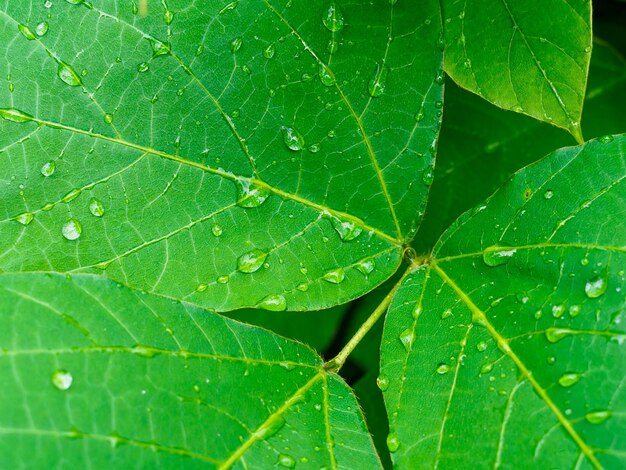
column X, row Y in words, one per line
column 339, row 360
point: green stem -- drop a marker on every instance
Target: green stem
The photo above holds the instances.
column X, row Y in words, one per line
column 339, row 360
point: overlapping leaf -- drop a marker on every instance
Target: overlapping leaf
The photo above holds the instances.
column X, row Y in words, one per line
column 507, row 347
column 96, row 375
column 233, row 154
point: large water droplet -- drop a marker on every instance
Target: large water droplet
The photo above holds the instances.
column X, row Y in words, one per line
column 168, row 16
column 382, row 381
column 407, row 337
column 273, row 302
column 347, row 230
column 333, row 18
column 443, row 369
column 366, row 266
column 496, row 255
column 73, row 194
column 95, row 207
column 558, row 310
column 285, row 460
column 569, row 379
column 42, row 28
column 326, row 77
column 292, row 138
column 62, row 379
column 557, row 334
column 377, row 84
column 217, row 230
column 15, row 115
column 25, row 218
column 598, row 417
column 482, row 346
column 26, row 31
column 251, row 194
column 72, row 229
column 67, row 74
column 251, row 261
column 393, row 442
column 595, row 287
column 159, row 48
column 47, row 169
column 334, row 276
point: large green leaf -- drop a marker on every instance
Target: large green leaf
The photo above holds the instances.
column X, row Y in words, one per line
column 96, row 375
column 507, row 348
column 481, row 146
column 530, row 56
column 232, row 154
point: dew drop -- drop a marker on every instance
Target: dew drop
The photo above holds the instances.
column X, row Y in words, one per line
column 217, row 230
column 446, row 313
column 292, row 138
column 393, row 442
column 554, row 335
column 201, row 287
column 96, row 208
column 159, row 48
column 303, row 287
column 558, row 310
column 382, row 382
column 25, row 218
column 419, row 116
column 442, row 369
column 251, row 261
column 366, row 266
column 334, row 276
column 598, row 417
column 47, row 169
column 273, row 302
column 26, row 31
column 143, row 67
column 486, row 368
column 223, row 279
column 595, row 287
column 548, row 194
column 269, row 51
column 67, row 75
column 347, row 230
column 62, row 379
column 73, row 194
column 42, row 28
column 376, row 85
column 268, row 430
column 428, row 176
column 605, row 139
column 72, row 229
column 235, row 45
column 482, row 346
column 407, row 337
column 569, row 379
column 575, row 310
column 333, row 18
column 439, row 78
column 326, row 77
column 496, row 255
column 251, row 194
column 15, row 115
column 287, row 461
column 417, row 311
column 168, row 16
column 314, row 148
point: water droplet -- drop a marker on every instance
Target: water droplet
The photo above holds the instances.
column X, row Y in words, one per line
column 47, row 169
column 292, row 138
column 273, row 302
column 569, row 379
column 286, row 461
column 439, row 78
column 556, row 334
column 73, row 194
column 575, row 310
column 366, row 266
column 314, row 148
column 446, row 313
column 159, row 48
column 419, row 116
column 67, row 74
column 442, row 369
column 482, row 346
column 26, row 31
column 199, row 50
column 251, row 194
column 42, row 28
column 168, row 16
column 382, row 381
column 201, row 287
column 268, row 430
column 393, row 442
column 15, row 115
column 558, row 310
column 143, row 67
column 548, row 194
column 25, row 218
column 223, row 279
column 217, row 230
column 347, row 230
column 377, row 84
column 605, row 139
column 235, row 45
column 333, row 18
column 269, row 51
column 72, row 229
column 108, row 118
column 326, row 77
column 598, row 417
column 62, row 379
column 334, row 276
column 428, row 176
column 251, row 261
column 584, row 261
column 595, row 287
column 486, row 368
column 407, row 337
column 496, row 255
column 417, row 311
column 96, row 208
column 303, row 287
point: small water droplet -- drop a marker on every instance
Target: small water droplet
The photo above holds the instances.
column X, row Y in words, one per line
column 376, row 85
column 407, row 337
column 366, row 266
column 334, row 276
column 72, row 229
column 268, row 430
column 347, row 230
column 15, row 115
column 558, row 310
column 393, row 442
column 73, row 194
column 251, row 194
column 333, row 18
column 326, row 77
column 223, row 279
column 96, row 208
column 292, row 138
column 217, row 230
column 201, row 287
column 285, row 460
column 303, row 287
column 236, row 44
column 598, row 417
column 486, row 368
column 595, row 287
column 569, row 379
column 439, row 78
column 419, row 116
column 168, row 16
column 273, row 302
column 496, row 255
column 428, row 176
column 269, row 51
column 382, row 381
column 62, row 379
column 556, row 334
column 47, row 169
column 417, row 311
column 548, row 194
column 482, row 346
column 26, row 31
column 159, row 48
column 442, row 369
column 25, row 218
column 575, row 310
column 314, row 148
column 251, row 261
column 605, row 139
column 67, row 75
column 446, row 313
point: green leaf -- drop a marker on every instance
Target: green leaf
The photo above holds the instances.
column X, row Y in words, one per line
column 507, row 347
column 481, row 146
column 232, row 155
column 530, row 56
column 97, row 375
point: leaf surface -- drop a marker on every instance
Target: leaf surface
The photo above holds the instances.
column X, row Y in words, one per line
column 507, row 348
column 97, row 375
column 233, row 155
column 530, row 56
